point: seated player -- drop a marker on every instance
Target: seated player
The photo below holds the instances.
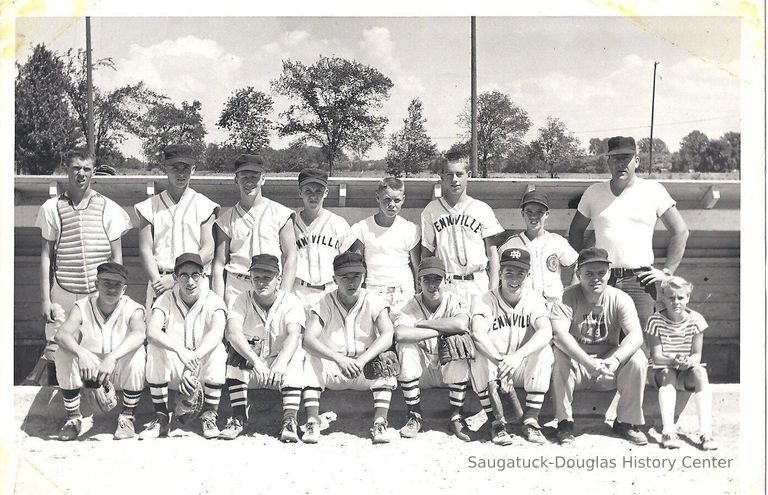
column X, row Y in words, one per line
column 185, row 333
column 512, row 332
column 676, row 337
column 429, row 315
column 589, row 353
column 346, row 330
column 102, row 340
column 264, row 327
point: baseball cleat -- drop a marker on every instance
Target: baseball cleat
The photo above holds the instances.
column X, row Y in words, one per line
column 125, row 427
column 706, row 442
column 379, row 432
column 288, row 432
column 670, row 441
column 312, row 432
column 71, row 429
column 208, row 423
column 159, row 427
column 233, row 428
column 499, row 435
column 412, row 427
column 533, row 434
column 629, row 433
column 565, row 432
column 460, row 429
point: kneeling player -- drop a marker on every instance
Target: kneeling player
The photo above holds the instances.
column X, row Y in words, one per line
column 185, row 334
column 427, row 316
column 512, row 331
column 102, row 341
column 346, row 330
column 264, row 328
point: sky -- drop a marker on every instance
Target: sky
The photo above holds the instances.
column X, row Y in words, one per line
column 594, row 73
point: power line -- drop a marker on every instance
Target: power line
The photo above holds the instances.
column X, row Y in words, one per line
column 664, row 124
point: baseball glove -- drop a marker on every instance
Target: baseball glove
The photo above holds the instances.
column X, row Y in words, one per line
column 455, row 347
column 102, row 397
column 189, row 406
column 382, row 366
column 236, row 360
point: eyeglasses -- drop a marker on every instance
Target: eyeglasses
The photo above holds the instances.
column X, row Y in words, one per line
column 184, row 277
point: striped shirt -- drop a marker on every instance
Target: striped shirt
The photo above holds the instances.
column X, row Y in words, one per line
column 676, row 337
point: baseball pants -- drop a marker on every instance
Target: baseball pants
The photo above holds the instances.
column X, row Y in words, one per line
column 629, row 380
column 293, row 378
column 164, row 366
column 325, row 374
column 128, row 374
column 417, row 364
column 533, row 374
column 468, row 289
column 396, row 297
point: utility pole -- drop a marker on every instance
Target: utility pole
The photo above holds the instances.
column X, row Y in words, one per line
column 89, row 86
column 473, row 102
column 653, row 103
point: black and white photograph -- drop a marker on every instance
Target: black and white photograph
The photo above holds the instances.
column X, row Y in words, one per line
column 328, row 248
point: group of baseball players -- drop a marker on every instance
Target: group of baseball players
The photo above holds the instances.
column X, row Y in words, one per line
column 263, row 297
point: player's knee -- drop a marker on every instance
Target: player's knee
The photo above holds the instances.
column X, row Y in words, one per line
column 637, row 363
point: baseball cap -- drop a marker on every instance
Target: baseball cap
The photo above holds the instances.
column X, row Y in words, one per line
column 516, row 257
column 348, row 262
column 249, row 162
column 112, row 271
column 535, row 197
column 178, row 153
column 593, row 255
column 431, row 266
column 316, row 175
column 266, row 262
column 188, row 258
column 620, row 145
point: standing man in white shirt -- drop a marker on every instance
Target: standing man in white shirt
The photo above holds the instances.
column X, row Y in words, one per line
column 624, row 212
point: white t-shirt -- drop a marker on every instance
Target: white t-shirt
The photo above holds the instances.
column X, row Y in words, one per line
column 269, row 326
column 316, row 246
column 456, row 234
column 387, row 250
column 549, row 252
column 116, row 220
column 624, row 225
column 509, row 324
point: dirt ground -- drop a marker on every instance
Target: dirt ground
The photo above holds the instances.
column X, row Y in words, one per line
column 345, row 461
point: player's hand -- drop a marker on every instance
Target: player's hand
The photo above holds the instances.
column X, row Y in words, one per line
column 683, row 362
column 276, row 375
column 509, row 363
column 47, row 311
column 105, row 370
column 188, row 358
column 89, row 365
column 652, row 275
column 351, row 368
column 610, row 365
column 164, row 283
column 260, row 370
column 595, row 366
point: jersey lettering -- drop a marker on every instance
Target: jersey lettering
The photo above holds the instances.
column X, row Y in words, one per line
column 458, row 220
column 322, row 240
column 516, row 320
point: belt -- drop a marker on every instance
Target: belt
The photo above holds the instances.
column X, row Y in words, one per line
column 163, row 271
column 454, row 276
column 311, row 286
column 628, row 272
column 388, row 290
column 241, row 276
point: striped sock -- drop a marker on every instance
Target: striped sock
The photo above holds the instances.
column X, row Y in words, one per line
column 381, row 398
column 457, row 392
column 485, row 402
column 72, row 403
column 159, row 393
column 130, row 401
column 238, row 397
column 412, row 395
column 533, row 402
column 212, row 396
column 311, row 396
column 291, row 402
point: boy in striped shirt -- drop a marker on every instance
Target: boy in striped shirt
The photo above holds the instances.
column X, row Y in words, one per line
column 676, row 338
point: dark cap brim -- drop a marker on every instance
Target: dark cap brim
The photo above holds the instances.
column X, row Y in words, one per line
column 516, row 263
column 349, row 269
column 594, row 260
column 315, row 180
column 180, row 159
column 112, row 276
column 537, row 201
column 431, row 271
column 253, row 167
column 621, row 151
column 265, row 267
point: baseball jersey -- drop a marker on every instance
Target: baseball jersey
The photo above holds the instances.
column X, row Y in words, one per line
column 549, row 252
column 456, row 234
column 116, row 221
column 271, row 326
column 100, row 333
column 252, row 232
column 175, row 226
column 316, row 246
column 415, row 311
column 509, row 324
column 596, row 327
column 624, row 224
column 676, row 337
column 349, row 332
column 387, row 250
column 188, row 324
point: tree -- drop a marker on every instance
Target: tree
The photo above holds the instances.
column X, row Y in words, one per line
column 733, row 156
column 659, row 146
column 598, row 146
column 692, row 150
column 722, row 154
column 410, row 148
column 45, row 128
column 501, row 126
column 336, row 99
column 555, row 146
column 168, row 124
column 244, row 116
column 661, row 155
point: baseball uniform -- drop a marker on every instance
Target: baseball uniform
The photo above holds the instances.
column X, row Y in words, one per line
column 316, row 245
column 456, row 235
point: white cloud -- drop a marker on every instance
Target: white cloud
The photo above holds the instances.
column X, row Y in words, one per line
column 378, row 49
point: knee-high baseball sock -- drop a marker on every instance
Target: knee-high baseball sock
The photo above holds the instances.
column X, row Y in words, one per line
column 457, row 392
column 311, row 396
column 667, row 400
column 72, row 403
column 291, row 402
column 485, row 402
column 533, row 402
column 704, row 407
column 381, row 398
column 159, row 393
column 238, row 397
column 212, row 396
column 130, row 401
column 412, row 395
